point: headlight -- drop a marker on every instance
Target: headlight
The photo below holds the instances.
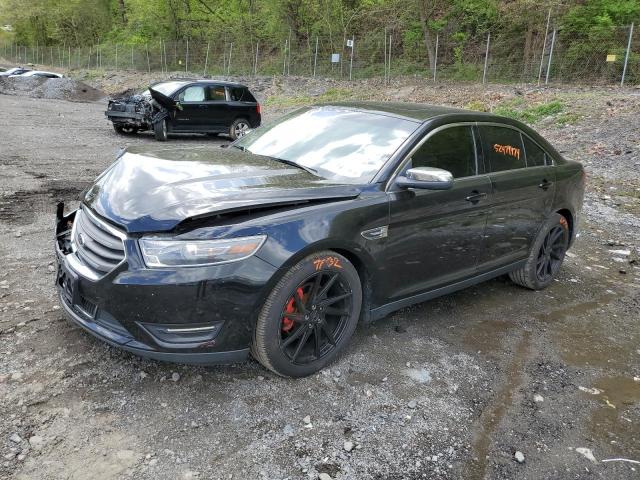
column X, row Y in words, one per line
column 193, row 253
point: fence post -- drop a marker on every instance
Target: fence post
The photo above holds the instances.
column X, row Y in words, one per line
column 69, row 57
column 389, row 61
column 186, row 59
column 116, row 57
column 486, row 59
column 544, row 46
column 435, row 59
column 626, row 57
column 289, row 54
column 351, row 61
column 206, row 60
column 284, row 65
column 146, row 46
column 255, row 65
column 315, row 58
column 229, row 62
column 164, row 49
column 553, row 41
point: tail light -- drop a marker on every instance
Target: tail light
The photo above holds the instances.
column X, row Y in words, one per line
column 258, row 109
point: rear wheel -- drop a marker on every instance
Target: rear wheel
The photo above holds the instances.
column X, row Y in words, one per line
column 546, row 256
column 239, row 128
column 309, row 317
column 160, row 130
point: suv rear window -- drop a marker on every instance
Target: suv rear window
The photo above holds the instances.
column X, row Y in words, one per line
column 503, row 148
column 239, row 94
column 451, row 149
column 216, row 93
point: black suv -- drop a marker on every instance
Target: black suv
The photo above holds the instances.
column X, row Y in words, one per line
column 187, row 106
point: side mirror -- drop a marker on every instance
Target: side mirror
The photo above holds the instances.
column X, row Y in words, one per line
column 427, row 178
column 178, row 106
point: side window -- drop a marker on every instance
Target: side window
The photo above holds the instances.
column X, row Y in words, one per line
column 237, row 94
column 192, row 94
column 535, row 155
column 451, row 149
column 503, row 148
column 216, row 93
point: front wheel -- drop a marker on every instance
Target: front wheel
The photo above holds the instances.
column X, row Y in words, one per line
column 546, row 256
column 160, row 130
column 309, row 317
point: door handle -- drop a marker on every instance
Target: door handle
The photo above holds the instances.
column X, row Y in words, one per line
column 476, row 196
column 545, row 184
column 202, row 106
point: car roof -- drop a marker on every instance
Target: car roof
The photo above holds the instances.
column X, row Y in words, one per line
column 206, row 81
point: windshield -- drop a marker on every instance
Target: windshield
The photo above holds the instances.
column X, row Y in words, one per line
column 168, row 88
column 339, row 143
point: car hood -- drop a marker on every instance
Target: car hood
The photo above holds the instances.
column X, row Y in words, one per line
column 153, row 190
column 163, row 100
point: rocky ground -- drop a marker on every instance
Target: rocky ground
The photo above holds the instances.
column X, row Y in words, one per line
column 491, row 382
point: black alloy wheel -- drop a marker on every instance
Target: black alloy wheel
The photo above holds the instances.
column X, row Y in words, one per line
column 315, row 317
column 551, row 254
column 309, row 317
column 546, row 255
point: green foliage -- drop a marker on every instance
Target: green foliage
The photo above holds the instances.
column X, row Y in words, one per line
column 531, row 114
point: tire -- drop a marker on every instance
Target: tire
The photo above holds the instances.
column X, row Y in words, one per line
column 309, row 316
column 546, row 255
column 239, row 128
column 160, row 130
column 125, row 130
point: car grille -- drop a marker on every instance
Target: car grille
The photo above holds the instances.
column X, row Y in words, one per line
column 97, row 245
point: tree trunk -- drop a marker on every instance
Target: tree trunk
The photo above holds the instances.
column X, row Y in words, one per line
column 428, row 41
column 123, row 11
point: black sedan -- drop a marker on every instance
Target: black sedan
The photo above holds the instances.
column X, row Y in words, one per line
column 187, row 106
column 280, row 244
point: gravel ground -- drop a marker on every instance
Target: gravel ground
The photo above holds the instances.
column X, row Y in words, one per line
column 491, row 382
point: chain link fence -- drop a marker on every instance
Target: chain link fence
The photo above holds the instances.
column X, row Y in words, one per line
column 595, row 58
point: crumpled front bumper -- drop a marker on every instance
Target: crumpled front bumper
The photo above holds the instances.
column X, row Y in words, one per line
column 194, row 315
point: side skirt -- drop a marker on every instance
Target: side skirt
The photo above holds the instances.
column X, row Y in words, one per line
column 384, row 310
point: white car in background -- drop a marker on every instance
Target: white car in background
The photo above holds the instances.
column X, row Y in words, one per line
column 39, row 73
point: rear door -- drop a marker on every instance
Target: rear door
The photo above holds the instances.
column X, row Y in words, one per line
column 523, row 189
column 217, row 116
column 435, row 237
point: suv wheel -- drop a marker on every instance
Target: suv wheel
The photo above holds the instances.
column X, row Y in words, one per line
column 546, row 256
column 160, row 130
column 309, row 317
column 239, row 128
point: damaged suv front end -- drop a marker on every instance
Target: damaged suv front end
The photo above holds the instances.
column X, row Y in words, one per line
column 131, row 113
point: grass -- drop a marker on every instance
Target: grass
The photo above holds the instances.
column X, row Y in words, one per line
column 529, row 114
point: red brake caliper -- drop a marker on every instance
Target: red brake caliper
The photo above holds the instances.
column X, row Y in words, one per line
column 287, row 323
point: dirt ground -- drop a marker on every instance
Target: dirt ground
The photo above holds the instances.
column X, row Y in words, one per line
column 458, row 387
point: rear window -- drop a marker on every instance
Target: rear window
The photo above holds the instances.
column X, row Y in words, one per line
column 216, row 93
column 536, row 157
column 239, row 94
column 503, row 148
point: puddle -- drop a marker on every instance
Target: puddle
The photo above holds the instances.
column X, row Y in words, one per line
column 493, row 414
column 617, row 427
column 486, row 336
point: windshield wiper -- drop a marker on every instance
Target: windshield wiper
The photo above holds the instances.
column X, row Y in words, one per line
column 295, row 164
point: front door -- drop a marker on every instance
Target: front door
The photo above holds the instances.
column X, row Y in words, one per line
column 191, row 114
column 435, row 237
column 523, row 185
